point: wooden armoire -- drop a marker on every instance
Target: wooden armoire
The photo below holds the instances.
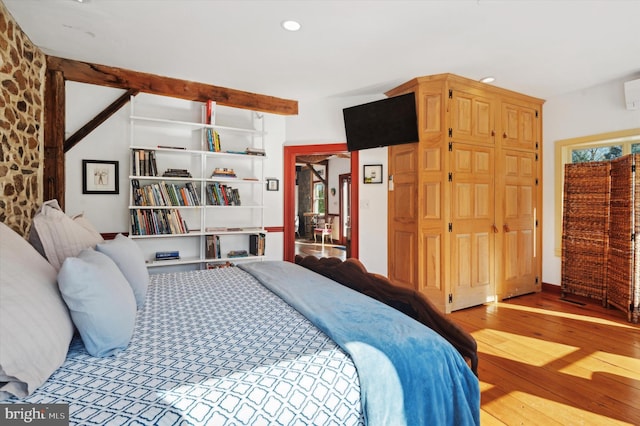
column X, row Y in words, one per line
column 464, row 223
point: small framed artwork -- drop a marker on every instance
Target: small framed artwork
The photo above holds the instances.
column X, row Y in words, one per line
column 372, row 173
column 99, row 177
column 273, row 184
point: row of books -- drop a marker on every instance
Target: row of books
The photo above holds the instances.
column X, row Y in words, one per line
column 223, row 195
column 164, row 194
column 257, row 244
column 213, row 140
column 157, row 222
column 143, row 162
column 213, row 247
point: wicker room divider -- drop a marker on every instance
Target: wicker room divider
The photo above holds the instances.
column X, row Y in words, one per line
column 623, row 269
column 585, row 229
column 600, row 252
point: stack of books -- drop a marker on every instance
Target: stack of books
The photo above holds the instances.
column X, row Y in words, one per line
column 255, row 151
column 223, row 172
column 177, row 173
column 167, row 255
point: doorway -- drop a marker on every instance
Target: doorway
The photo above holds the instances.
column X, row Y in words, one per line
column 291, row 154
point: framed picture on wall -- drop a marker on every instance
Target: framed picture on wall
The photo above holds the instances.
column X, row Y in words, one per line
column 273, row 184
column 99, row 177
column 372, row 173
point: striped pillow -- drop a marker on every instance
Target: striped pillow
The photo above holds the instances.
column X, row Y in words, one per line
column 35, row 326
column 57, row 236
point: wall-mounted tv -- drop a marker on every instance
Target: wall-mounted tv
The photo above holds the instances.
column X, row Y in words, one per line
column 390, row 121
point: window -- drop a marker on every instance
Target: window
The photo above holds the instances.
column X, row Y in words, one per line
column 318, row 198
column 602, row 147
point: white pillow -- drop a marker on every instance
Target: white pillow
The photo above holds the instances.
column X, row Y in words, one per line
column 100, row 300
column 127, row 255
column 58, row 236
column 35, row 327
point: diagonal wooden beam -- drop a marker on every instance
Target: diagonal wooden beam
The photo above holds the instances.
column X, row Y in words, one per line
column 315, row 172
column 102, row 75
column 98, row 119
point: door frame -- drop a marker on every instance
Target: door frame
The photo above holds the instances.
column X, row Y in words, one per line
column 343, row 177
column 289, row 187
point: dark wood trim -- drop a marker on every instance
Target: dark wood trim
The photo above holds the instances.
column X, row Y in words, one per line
column 274, row 228
column 551, row 288
column 98, row 119
column 54, row 125
column 102, row 75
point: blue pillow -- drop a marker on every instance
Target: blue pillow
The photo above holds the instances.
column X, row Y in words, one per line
column 127, row 255
column 100, row 301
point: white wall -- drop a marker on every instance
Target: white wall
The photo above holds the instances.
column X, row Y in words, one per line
column 599, row 109
column 321, row 122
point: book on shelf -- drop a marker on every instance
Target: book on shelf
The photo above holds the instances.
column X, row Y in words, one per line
column 257, row 244
column 171, row 147
column 255, row 151
column 237, row 253
column 210, row 111
column 157, row 222
column 223, row 172
column 184, row 173
column 222, row 195
column 143, row 162
column 213, row 247
column 213, row 140
column 164, row 194
column 167, row 255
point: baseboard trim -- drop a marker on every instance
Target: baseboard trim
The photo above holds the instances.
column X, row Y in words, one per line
column 551, row 288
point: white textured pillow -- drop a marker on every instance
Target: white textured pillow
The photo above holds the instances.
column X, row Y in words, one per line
column 100, row 300
column 35, row 327
column 127, row 255
column 59, row 235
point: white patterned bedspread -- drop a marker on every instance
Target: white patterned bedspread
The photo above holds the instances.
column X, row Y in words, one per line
column 211, row 347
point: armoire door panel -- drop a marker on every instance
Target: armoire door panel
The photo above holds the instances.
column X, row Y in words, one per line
column 430, row 112
column 404, row 198
column 431, row 159
column 404, row 255
column 519, row 126
column 517, row 224
column 402, row 234
column 472, row 118
column 432, row 243
column 473, row 217
column 431, row 204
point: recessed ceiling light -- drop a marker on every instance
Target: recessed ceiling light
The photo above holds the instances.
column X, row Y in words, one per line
column 291, row 25
column 488, row 79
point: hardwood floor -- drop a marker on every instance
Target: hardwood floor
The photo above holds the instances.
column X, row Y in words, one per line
column 544, row 361
column 309, row 248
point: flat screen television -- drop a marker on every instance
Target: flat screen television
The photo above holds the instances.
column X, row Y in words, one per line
column 390, row 121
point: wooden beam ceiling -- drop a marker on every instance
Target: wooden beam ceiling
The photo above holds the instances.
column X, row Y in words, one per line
column 102, row 75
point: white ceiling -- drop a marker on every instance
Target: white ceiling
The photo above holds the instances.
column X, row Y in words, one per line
column 542, row 48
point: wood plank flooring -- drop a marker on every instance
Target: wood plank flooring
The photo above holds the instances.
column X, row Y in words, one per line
column 544, row 361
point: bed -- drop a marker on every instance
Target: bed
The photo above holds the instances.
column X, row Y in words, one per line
column 262, row 343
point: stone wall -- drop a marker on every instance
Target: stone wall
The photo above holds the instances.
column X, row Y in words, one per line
column 22, row 73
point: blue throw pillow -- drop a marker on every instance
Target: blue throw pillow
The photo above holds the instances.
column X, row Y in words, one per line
column 129, row 258
column 100, row 301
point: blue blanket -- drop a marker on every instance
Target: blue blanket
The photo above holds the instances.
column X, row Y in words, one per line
column 409, row 375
